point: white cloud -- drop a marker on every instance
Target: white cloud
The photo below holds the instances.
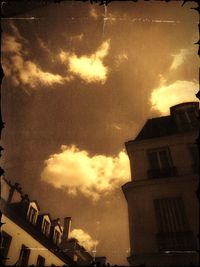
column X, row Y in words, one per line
column 165, row 96
column 89, row 68
column 23, row 71
column 76, row 171
column 93, row 13
column 43, row 46
column 77, row 37
column 84, row 239
column 179, row 58
column 120, row 59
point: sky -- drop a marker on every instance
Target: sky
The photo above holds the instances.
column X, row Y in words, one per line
column 80, row 80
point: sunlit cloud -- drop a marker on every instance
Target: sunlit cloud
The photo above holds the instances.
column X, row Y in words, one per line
column 120, row 59
column 84, row 239
column 43, row 45
column 165, row 96
column 179, row 58
column 17, row 33
column 23, row 71
column 116, row 126
column 75, row 171
column 78, row 37
column 89, row 68
column 93, row 13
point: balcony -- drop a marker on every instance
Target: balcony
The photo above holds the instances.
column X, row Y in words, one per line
column 176, row 241
column 162, row 173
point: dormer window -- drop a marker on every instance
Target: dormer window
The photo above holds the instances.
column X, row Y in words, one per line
column 185, row 115
column 56, row 238
column 187, row 119
column 32, row 215
column 46, row 227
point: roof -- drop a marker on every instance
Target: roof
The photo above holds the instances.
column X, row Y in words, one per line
column 36, row 203
column 158, row 127
column 13, row 214
column 168, row 125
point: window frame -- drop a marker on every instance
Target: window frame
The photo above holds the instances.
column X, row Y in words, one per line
column 24, row 256
column 160, row 167
column 5, row 237
column 46, row 227
column 173, row 233
column 56, row 237
column 40, row 261
column 32, row 215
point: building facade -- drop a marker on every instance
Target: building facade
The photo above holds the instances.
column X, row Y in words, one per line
column 31, row 238
column 163, row 208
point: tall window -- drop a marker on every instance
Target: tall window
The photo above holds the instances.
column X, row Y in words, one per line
column 173, row 229
column 46, row 227
column 24, row 256
column 32, row 215
column 40, row 261
column 160, row 163
column 5, row 244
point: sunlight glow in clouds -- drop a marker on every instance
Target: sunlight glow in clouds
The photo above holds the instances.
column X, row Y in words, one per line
column 178, row 59
column 84, row 239
column 165, row 96
column 22, row 71
column 76, row 171
column 93, row 13
column 89, row 68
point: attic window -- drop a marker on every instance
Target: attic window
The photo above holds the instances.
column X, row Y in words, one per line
column 56, row 237
column 32, row 215
column 187, row 119
column 46, row 227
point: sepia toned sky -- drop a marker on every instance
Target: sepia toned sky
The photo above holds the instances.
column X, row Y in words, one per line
column 80, row 80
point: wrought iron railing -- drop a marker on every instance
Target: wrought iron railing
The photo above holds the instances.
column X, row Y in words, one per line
column 162, row 173
column 176, row 241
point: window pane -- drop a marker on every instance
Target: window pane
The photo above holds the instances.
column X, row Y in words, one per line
column 24, row 256
column 173, row 229
column 164, row 159
column 153, row 160
column 192, row 117
column 40, row 261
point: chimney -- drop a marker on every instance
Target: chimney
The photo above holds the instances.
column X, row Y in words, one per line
column 11, row 192
column 66, row 230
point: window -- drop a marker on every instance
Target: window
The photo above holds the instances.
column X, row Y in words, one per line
column 160, row 163
column 56, row 237
column 32, row 213
column 24, row 256
column 40, row 261
column 45, row 227
column 173, row 229
column 194, row 154
column 187, row 119
column 5, row 244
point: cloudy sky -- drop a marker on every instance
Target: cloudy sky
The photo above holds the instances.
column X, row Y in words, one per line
column 80, row 80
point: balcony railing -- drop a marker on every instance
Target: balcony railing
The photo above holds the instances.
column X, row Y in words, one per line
column 176, row 241
column 162, row 173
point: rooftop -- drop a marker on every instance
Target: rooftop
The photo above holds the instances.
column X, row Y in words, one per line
column 171, row 124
